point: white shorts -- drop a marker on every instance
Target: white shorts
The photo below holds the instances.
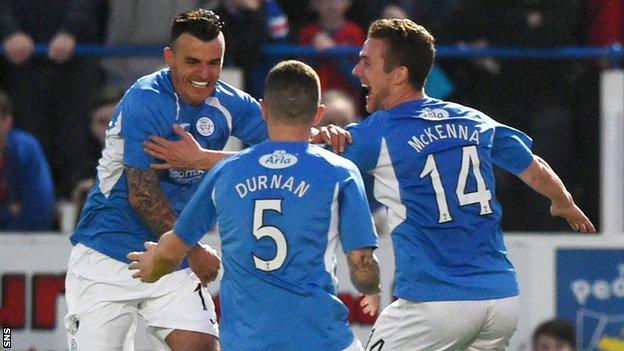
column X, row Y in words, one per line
column 356, row 345
column 104, row 302
column 445, row 325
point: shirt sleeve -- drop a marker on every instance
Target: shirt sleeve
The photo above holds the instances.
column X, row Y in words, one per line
column 511, row 149
column 355, row 224
column 142, row 115
column 248, row 124
column 364, row 151
column 199, row 215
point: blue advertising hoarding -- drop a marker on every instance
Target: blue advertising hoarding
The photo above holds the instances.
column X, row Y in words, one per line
column 590, row 293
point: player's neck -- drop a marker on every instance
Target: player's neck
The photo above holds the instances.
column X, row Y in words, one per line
column 403, row 95
column 289, row 133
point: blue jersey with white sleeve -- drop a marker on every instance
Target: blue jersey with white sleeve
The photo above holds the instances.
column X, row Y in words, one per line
column 108, row 223
column 433, row 167
column 281, row 208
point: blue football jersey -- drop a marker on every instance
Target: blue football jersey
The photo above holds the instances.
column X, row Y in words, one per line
column 151, row 106
column 433, row 167
column 281, row 208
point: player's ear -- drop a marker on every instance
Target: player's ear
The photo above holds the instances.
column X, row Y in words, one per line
column 400, row 74
column 168, row 56
column 320, row 111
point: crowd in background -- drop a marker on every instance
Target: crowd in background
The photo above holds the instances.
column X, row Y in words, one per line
column 65, row 100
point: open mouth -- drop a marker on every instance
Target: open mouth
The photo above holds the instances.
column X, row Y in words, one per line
column 199, row 84
column 368, row 90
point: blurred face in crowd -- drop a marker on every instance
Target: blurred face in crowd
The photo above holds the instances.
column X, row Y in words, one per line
column 551, row 343
column 393, row 11
column 370, row 71
column 340, row 109
column 331, row 9
column 100, row 120
column 195, row 66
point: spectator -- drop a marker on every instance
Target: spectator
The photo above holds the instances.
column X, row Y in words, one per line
column 361, row 12
column 340, row 108
column 52, row 93
column 554, row 335
column 332, row 30
column 393, row 11
column 26, row 190
column 102, row 113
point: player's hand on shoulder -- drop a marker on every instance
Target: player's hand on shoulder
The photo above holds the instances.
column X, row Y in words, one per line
column 333, row 135
column 370, row 304
column 184, row 153
column 575, row 217
column 142, row 263
column 204, row 262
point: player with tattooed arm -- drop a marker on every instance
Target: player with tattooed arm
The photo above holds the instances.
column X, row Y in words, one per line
column 281, row 207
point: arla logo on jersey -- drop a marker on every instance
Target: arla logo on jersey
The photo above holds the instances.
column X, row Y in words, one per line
column 436, row 113
column 278, row 159
column 205, row 126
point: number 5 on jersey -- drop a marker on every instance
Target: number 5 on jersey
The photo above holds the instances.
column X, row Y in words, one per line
column 482, row 196
column 260, row 231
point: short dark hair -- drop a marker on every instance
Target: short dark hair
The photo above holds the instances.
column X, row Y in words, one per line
column 409, row 45
column 6, row 106
column 292, row 92
column 200, row 23
column 558, row 328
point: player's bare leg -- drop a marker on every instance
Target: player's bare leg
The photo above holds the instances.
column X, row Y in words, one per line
column 184, row 340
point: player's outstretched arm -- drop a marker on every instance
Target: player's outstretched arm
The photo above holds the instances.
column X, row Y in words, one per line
column 158, row 259
column 364, row 273
column 545, row 181
column 185, row 153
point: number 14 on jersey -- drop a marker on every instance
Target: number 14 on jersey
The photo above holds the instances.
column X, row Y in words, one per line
column 470, row 159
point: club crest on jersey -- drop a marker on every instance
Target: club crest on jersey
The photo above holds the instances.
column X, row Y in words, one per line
column 205, row 126
column 436, row 113
column 278, row 159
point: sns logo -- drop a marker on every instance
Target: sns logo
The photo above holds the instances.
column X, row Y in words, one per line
column 601, row 289
column 278, row 159
column 6, row 338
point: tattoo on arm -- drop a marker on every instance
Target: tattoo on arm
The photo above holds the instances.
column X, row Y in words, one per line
column 364, row 270
column 146, row 198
